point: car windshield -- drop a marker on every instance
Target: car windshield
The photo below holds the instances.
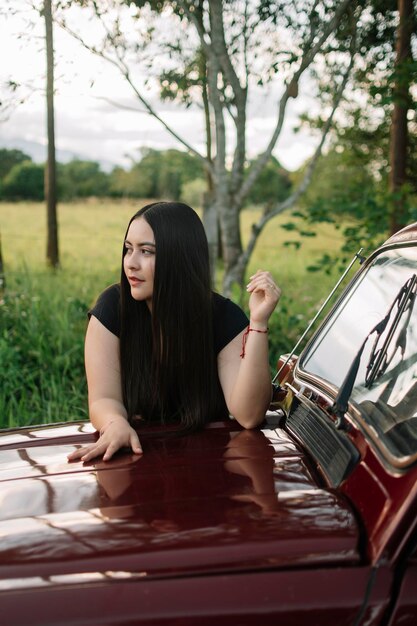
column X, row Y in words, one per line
column 385, row 387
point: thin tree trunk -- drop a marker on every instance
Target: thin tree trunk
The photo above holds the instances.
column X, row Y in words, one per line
column 232, row 242
column 210, row 219
column 210, row 226
column 399, row 126
column 52, row 253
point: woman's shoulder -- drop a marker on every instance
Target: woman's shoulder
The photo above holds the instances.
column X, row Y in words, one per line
column 228, row 321
column 106, row 308
column 222, row 304
column 112, row 292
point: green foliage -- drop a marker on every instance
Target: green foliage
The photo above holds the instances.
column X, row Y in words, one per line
column 340, row 183
column 350, row 189
column 182, row 85
column 81, row 179
column 345, row 192
column 167, row 171
column 122, row 184
column 159, row 174
column 286, row 326
column 350, row 185
column 9, row 158
column 25, row 181
column 41, row 353
column 273, row 185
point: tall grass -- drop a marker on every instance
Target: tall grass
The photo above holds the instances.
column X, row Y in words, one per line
column 41, row 352
column 43, row 312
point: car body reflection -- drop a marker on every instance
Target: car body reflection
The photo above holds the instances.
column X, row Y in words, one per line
column 220, row 499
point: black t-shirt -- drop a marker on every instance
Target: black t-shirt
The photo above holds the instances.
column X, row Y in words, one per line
column 228, row 319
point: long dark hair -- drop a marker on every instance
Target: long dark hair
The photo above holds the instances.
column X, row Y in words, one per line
column 168, row 364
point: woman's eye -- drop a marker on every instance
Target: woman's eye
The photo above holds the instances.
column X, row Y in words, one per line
column 147, row 252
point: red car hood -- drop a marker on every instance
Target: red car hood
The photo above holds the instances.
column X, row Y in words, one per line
column 215, row 501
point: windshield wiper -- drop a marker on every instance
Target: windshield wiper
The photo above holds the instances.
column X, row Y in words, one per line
column 378, row 361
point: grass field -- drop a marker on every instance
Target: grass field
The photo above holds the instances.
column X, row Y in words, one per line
column 43, row 312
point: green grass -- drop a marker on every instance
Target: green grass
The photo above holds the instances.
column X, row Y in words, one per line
column 43, row 312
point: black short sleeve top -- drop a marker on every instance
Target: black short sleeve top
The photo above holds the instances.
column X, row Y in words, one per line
column 228, row 318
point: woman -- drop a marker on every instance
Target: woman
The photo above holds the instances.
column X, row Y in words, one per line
column 161, row 346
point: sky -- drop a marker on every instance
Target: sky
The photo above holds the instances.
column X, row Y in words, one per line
column 89, row 126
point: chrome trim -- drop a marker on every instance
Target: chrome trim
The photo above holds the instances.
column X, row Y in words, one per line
column 354, row 416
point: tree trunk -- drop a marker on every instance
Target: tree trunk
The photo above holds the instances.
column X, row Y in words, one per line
column 210, row 226
column 232, row 245
column 52, row 254
column 399, row 127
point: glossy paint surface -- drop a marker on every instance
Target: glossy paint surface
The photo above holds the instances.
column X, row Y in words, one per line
column 386, row 501
column 222, row 500
column 322, row 597
column 384, row 498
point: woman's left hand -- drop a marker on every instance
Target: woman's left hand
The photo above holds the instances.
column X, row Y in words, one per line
column 264, row 297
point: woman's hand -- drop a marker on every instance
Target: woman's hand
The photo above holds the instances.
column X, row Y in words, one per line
column 264, row 297
column 115, row 435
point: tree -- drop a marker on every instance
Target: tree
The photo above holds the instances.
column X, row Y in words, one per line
column 82, row 179
column 9, row 158
column 52, row 252
column 243, row 45
column 17, row 93
column 402, row 102
column 121, row 184
column 355, row 182
column 25, row 181
column 166, row 171
column 158, row 174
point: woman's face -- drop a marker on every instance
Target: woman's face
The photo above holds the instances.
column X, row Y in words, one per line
column 139, row 260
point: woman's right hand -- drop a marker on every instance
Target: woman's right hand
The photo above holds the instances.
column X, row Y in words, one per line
column 115, row 435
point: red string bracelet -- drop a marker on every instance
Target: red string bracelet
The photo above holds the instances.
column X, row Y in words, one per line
column 245, row 338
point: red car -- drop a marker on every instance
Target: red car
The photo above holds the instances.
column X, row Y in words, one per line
column 308, row 520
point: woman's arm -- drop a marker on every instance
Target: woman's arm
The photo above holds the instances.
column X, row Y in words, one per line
column 243, row 364
column 105, row 402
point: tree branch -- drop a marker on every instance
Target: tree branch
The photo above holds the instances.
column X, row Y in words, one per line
column 120, row 64
column 306, row 60
column 219, row 49
column 218, row 41
column 291, row 200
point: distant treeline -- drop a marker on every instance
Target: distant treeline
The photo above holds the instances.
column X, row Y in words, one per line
column 159, row 174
